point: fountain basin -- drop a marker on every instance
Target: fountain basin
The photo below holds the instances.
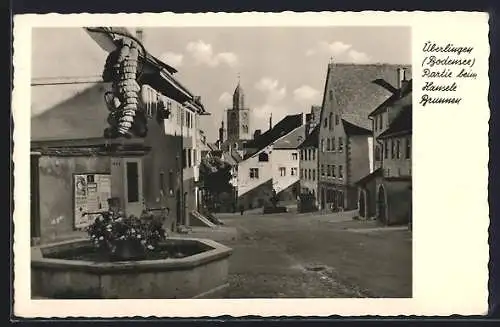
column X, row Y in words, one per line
column 57, row 273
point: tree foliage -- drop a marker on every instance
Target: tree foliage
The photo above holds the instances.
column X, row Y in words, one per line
column 215, row 175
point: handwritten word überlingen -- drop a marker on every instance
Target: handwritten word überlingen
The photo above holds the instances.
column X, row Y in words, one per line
column 433, row 47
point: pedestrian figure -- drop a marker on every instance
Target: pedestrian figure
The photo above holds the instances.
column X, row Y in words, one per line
column 242, row 209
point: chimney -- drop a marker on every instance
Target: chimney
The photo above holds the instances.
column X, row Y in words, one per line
column 139, row 34
column 271, row 121
column 256, row 134
column 400, row 78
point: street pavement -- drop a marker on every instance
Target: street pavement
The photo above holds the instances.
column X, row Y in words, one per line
column 294, row 255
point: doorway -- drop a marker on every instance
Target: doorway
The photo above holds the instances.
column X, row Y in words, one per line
column 362, row 204
column 381, row 205
column 133, row 187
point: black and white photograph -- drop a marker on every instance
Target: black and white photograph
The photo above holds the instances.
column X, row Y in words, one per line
column 203, row 159
column 259, row 162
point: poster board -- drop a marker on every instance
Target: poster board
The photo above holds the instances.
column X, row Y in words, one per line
column 91, row 194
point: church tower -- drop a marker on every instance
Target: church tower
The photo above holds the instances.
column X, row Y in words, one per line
column 238, row 118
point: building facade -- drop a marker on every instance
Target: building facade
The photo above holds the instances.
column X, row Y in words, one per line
column 345, row 135
column 309, row 174
column 271, row 163
column 386, row 193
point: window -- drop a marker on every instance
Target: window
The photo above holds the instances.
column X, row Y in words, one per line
column 381, row 121
column 171, row 181
column 263, row 157
column 329, row 170
column 184, row 157
column 341, row 171
column 294, row 156
column 301, row 173
column 162, row 183
column 408, row 148
column 308, row 154
column 377, row 153
column 322, row 145
column 333, row 171
column 330, row 121
column 341, row 144
column 337, row 119
column 195, row 159
column 330, row 95
column 314, row 174
column 309, row 176
column 189, row 158
column 325, row 124
column 333, row 144
column 322, row 170
column 301, row 154
column 328, row 145
column 293, row 171
column 386, row 149
column 398, row 148
column 313, row 154
column 393, row 149
column 132, row 182
column 282, row 171
column 254, row 173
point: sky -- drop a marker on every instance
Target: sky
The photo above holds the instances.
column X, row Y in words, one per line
column 282, row 69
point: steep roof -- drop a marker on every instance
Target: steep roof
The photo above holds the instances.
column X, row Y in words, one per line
column 212, row 146
column 312, row 140
column 402, row 124
column 369, row 177
column 404, row 94
column 354, row 93
column 232, row 157
column 283, row 127
column 80, row 117
column 292, row 140
column 351, row 129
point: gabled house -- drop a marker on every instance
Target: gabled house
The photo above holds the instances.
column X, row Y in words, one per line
column 345, row 136
column 271, row 163
column 75, row 168
column 386, row 193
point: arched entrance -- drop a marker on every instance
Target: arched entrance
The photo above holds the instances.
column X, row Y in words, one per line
column 381, row 205
column 362, row 204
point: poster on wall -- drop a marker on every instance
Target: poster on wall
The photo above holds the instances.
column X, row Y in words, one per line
column 91, row 194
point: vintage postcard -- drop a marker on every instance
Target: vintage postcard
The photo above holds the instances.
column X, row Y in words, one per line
column 265, row 164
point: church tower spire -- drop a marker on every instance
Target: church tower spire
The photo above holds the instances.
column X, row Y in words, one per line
column 238, row 96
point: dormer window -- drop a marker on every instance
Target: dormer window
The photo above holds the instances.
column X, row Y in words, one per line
column 263, row 157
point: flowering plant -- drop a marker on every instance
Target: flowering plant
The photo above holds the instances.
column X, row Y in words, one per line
column 112, row 228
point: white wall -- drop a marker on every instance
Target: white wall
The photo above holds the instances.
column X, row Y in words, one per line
column 245, row 183
column 283, row 158
column 63, row 53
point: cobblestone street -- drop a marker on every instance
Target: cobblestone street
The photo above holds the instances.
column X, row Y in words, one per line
column 306, row 255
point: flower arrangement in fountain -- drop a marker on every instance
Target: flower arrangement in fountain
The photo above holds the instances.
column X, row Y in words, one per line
column 111, row 229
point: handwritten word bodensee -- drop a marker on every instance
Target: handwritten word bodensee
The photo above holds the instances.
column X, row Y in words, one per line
column 443, row 68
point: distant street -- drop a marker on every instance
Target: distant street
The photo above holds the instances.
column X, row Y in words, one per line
column 305, row 255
